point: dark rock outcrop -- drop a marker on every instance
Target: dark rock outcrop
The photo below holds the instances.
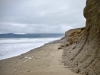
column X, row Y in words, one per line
column 83, row 53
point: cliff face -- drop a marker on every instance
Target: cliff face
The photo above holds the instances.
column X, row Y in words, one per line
column 92, row 15
column 82, row 50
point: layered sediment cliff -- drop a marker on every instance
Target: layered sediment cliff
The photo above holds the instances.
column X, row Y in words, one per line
column 82, row 47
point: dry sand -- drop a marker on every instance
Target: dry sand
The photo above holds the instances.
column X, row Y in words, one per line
column 45, row 60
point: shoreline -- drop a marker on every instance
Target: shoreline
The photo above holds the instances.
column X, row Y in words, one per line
column 15, row 47
column 44, row 60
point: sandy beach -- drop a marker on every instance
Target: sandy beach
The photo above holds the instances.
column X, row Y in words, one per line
column 45, row 60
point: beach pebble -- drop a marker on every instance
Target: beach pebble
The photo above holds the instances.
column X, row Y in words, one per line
column 29, row 58
column 25, row 60
column 26, row 57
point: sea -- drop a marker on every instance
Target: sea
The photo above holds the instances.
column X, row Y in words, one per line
column 10, row 47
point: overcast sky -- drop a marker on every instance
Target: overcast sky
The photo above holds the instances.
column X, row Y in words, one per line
column 41, row 16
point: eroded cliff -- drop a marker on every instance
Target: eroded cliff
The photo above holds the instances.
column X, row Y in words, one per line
column 82, row 47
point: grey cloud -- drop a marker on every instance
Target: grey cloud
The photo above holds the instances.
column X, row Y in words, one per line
column 37, row 14
column 33, row 28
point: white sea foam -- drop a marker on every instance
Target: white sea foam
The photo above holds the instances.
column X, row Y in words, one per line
column 14, row 47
